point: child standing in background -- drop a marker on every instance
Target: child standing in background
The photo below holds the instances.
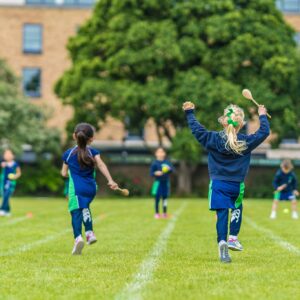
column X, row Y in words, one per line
column 79, row 165
column 161, row 170
column 285, row 184
column 11, row 171
column 229, row 155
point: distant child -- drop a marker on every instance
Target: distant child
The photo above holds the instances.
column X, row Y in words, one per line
column 11, row 171
column 79, row 165
column 228, row 162
column 161, row 170
column 285, row 185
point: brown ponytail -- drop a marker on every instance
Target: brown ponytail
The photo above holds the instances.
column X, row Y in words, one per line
column 83, row 133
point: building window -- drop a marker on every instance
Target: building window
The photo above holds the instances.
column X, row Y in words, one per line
column 32, row 82
column 288, row 5
column 79, row 2
column 40, row 2
column 32, row 38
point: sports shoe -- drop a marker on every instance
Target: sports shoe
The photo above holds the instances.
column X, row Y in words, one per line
column 223, row 252
column 273, row 215
column 165, row 216
column 78, row 246
column 4, row 213
column 295, row 215
column 235, row 245
column 90, row 237
column 157, row 216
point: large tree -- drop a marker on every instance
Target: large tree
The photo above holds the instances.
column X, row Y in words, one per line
column 142, row 58
column 22, row 122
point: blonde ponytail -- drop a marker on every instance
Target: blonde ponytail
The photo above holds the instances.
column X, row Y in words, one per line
column 233, row 121
column 232, row 141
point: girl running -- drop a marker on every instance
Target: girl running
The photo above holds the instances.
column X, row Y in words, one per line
column 228, row 162
column 285, row 184
column 79, row 165
column 11, row 171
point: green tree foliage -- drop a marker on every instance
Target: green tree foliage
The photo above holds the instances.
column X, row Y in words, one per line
column 20, row 121
column 143, row 58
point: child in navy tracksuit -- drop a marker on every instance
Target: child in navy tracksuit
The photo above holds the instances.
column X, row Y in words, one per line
column 285, row 185
column 161, row 170
column 79, row 165
column 228, row 162
column 11, row 171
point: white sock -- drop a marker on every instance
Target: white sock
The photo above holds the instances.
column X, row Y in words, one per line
column 222, row 242
column 233, row 237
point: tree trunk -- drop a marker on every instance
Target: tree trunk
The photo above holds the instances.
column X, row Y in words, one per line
column 184, row 178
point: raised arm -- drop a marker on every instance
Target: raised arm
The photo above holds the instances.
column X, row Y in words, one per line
column 204, row 137
column 104, row 170
column 254, row 140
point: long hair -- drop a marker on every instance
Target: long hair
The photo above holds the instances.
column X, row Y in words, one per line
column 233, row 121
column 83, row 133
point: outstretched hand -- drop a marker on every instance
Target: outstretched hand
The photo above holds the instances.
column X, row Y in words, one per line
column 188, row 105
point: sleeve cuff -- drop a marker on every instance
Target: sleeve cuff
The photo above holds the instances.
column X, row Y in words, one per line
column 263, row 117
column 189, row 111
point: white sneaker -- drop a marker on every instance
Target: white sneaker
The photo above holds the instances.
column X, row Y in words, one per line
column 223, row 252
column 273, row 215
column 4, row 213
column 295, row 215
column 78, row 246
column 90, row 237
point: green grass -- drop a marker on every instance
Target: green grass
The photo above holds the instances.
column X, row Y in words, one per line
column 35, row 260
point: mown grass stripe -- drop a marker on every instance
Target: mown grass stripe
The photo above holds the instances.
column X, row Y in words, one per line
column 134, row 289
column 49, row 238
column 269, row 233
column 14, row 221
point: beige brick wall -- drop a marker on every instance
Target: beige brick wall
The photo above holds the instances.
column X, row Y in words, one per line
column 58, row 26
column 294, row 21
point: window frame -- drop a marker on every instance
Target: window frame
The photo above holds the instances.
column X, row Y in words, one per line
column 281, row 5
column 78, row 4
column 37, row 94
column 32, row 51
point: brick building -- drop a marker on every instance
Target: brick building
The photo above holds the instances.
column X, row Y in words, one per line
column 34, row 34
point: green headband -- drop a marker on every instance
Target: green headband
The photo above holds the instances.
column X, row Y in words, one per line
column 230, row 121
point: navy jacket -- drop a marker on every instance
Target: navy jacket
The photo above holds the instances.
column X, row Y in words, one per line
column 224, row 164
column 285, row 178
column 157, row 166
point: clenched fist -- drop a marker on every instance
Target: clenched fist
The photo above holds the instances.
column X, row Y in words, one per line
column 188, row 105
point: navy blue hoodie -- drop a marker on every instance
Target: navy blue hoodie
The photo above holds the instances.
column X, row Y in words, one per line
column 285, row 178
column 157, row 166
column 223, row 163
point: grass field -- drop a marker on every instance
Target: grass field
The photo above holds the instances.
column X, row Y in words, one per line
column 138, row 257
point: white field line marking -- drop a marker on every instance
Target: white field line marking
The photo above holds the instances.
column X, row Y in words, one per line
column 49, row 238
column 278, row 240
column 14, row 221
column 133, row 289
